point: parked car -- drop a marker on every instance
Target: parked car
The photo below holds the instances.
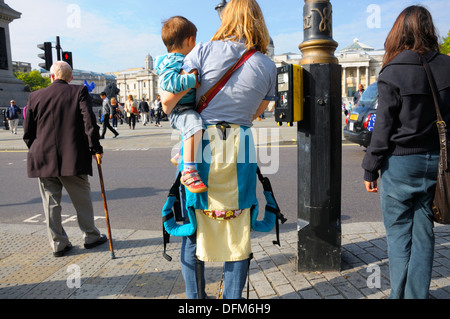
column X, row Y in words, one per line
column 361, row 120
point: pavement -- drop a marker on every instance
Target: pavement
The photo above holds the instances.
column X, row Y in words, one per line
column 28, row 269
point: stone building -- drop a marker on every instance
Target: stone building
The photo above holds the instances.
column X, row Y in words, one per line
column 287, row 58
column 139, row 82
column 24, row 67
column 101, row 80
column 361, row 64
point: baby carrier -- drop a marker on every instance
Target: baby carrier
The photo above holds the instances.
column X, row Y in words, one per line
column 248, row 171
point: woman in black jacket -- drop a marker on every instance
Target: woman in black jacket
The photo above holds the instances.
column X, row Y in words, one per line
column 405, row 147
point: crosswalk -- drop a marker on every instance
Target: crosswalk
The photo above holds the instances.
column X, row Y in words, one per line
column 40, row 218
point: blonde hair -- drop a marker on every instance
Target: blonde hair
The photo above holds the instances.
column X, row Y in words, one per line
column 242, row 20
column 113, row 99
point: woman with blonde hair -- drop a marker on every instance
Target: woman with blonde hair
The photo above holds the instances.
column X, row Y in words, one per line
column 116, row 112
column 223, row 213
column 132, row 111
column 405, row 148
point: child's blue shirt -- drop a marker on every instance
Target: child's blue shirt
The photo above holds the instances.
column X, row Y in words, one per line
column 168, row 68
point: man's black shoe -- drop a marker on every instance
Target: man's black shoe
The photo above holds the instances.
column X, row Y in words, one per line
column 116, row 135
column 103, row 239
column 62, row 252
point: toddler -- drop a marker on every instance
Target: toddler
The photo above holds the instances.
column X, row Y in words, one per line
column 179, row 36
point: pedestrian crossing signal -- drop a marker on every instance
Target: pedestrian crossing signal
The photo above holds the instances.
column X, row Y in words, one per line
column 67, row 57
column 289, row 105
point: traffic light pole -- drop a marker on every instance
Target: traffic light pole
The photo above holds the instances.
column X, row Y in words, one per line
column 58, row 49
column 319, row 144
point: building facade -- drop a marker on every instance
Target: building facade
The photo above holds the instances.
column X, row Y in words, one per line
column 142, row 83
column 100, row 80
column 287, row 58
column 23, row 67
column 361, row 64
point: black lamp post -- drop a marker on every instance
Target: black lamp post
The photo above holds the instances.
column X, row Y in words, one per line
column 320, row 144
column 220, row 7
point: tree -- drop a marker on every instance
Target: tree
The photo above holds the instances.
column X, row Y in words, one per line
column 33, row 79
column 445, row 46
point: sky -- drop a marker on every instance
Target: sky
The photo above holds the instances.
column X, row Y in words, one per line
column 110, row 35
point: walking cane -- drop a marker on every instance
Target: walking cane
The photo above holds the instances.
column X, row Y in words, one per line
column 99, row 163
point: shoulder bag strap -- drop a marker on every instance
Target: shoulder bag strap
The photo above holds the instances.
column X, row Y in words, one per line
column 205, row 99
column 440, row 122
column 433, row 88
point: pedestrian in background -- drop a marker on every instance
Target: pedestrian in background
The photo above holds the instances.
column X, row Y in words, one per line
column 107, row 111
column 144, row 110
column 152, row 113
column 5, row 119
column 121, row 113
column 405, row 148
column 358, row 94
column 12, row 115
column 157, row 108
column 132, row 111
column 116, row 112
column 62, row 135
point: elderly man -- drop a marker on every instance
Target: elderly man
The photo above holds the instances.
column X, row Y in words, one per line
column 62, row 135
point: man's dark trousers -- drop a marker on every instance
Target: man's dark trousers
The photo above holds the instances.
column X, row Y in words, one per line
column 107, row 125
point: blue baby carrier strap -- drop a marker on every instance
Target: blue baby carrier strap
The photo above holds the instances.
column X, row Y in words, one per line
column 172, row 213
column 272, row 214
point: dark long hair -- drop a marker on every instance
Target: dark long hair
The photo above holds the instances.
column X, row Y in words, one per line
column 413, row 30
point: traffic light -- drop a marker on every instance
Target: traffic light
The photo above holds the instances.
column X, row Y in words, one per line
column 47, row 56
column 67, row 57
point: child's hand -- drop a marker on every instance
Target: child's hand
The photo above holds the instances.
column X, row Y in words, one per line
column 197, row 85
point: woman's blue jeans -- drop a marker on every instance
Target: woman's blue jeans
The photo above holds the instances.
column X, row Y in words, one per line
column 407, row 192
column 235, row 273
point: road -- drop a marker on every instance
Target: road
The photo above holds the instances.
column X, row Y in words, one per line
column 137, row 184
